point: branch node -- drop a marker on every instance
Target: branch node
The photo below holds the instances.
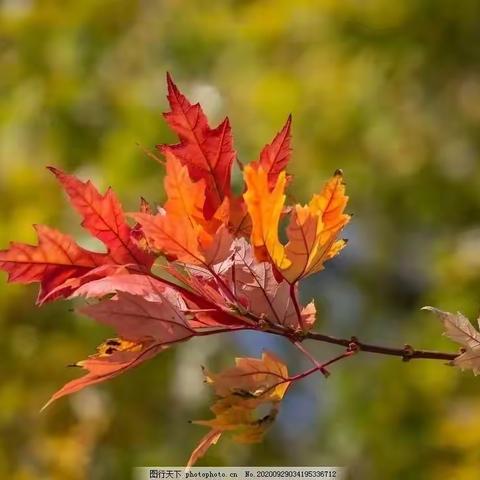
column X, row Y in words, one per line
column 263, row 323
column 296, row 336
column 408, row 353
column 353, row 346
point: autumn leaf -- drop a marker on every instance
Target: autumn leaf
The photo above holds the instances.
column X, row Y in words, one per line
column 275, row 156
column 259, row 379
column 241, row 390
column 309, row 315
column 266, row 297
column 104, row 218
column 71, row 287
column 313, row 229
column 459, row 329
column 142, row 285
column 55, row 259
column 144, row 329
column 265, row 208
column 114, row 356
column 253, row 286
column 180, row 230
column 58, row 258
column 273, row 159
column 469, row 360
column 208, row 153
column 135, row 318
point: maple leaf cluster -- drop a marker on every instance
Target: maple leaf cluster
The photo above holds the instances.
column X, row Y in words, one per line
column 207, row 261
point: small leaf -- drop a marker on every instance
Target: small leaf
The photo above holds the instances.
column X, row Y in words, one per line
column 457, row 327
column 460, row 330
column 309, row 314
column 241, row 390
column 264, row 378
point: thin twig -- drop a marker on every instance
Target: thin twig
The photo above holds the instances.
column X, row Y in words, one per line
column 296, row 306
column 312, row 359
column 323, row 366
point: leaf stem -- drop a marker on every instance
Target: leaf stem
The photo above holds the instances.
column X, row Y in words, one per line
column 322, row 367
column 295, row 304
column 315, row 362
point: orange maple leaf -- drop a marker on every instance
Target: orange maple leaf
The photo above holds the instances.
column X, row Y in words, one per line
column 273, row 159
column 180, row 230
column 313, row 229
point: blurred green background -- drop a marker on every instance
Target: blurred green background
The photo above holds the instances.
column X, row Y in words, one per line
column 389, row 91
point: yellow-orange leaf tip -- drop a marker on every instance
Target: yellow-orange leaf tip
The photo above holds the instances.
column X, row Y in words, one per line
column 312, row 231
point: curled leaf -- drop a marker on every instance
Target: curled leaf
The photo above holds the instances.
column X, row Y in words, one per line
column 114, row 357
column 241, row 390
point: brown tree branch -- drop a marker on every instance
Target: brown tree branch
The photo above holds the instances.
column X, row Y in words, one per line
column 406, row 353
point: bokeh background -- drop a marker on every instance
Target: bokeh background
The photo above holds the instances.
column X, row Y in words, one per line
column 389, row 91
